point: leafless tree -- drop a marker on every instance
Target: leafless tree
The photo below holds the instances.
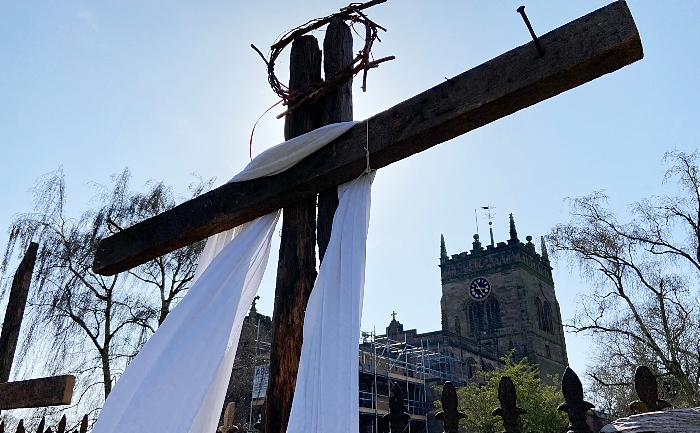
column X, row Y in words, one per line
column 80, row 322
column 643, row 306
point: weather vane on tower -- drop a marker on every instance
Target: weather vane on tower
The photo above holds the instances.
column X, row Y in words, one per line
column 490, row 215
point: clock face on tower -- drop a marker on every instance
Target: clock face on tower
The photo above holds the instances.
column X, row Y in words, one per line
column 479, row 288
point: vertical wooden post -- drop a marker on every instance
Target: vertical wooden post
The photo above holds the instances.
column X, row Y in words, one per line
column 337, row 107
column 296, row 269
column 15, row 311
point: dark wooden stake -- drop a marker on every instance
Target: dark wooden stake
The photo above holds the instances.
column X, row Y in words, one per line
column 47, row 391
column 296, row 270
column 15, row 311
column 337, row 107
column 62, row 425
column 84, row 424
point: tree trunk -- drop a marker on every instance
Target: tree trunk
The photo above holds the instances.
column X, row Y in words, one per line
column 337, row 104
column 296, row 270
column 106, row 345
column 106, row 371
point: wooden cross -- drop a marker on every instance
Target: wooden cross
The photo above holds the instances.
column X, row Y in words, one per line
column 578, row 52
column 46, row 391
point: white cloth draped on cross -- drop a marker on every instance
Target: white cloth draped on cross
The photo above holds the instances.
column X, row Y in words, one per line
column 177, row 382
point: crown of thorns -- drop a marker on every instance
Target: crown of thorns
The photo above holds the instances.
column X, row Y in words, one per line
column 312, row 92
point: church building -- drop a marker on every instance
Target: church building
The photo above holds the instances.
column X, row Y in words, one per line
column 496, row 299
column 500, row 298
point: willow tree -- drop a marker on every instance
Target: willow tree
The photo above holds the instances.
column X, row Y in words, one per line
column 643, row 307
column 80, row 322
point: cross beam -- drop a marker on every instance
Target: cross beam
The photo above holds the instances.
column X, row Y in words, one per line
column 46, row 391
column 576, row 53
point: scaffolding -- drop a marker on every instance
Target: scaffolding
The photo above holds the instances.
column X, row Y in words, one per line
column 384, row 361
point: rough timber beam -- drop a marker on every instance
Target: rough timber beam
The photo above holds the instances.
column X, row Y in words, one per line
column 47, row 391
column 576, row 53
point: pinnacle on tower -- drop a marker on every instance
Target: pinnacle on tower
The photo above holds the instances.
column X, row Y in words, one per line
column 529, row 246
column 513, row 232
column 476, row 245
column 443, row 250
column 545, row 255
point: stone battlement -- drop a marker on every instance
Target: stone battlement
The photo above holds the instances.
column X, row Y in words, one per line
column 479, row 260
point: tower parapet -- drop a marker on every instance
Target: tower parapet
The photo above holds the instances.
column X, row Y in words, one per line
column 480, row 260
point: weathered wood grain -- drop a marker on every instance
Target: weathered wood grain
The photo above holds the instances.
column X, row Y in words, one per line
column 296, row 269
column 668, row 421
column 47, row 391
column 583, row 50
column 15, row 311
column 337, row 107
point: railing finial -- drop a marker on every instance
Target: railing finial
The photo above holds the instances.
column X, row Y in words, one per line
column 397, row 419
column 575, row 407
column 648, row 392
column 449, row 415
column 509, row 410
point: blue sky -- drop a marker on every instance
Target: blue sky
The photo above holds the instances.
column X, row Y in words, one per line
column 171, row 88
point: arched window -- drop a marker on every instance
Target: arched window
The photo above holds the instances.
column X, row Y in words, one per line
column 475, row 314
column 540, row 322
column 547, row 318
column 493, row 314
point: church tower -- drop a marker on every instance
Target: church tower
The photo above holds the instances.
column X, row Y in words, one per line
column 502, row 296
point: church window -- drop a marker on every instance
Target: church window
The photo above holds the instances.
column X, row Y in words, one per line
column 493, row 314
column 484, row 316
column 475, row 313
column 547, row 318
column 544, row 316
column 548, row 352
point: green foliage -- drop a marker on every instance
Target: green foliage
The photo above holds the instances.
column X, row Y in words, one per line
column 537, row 398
